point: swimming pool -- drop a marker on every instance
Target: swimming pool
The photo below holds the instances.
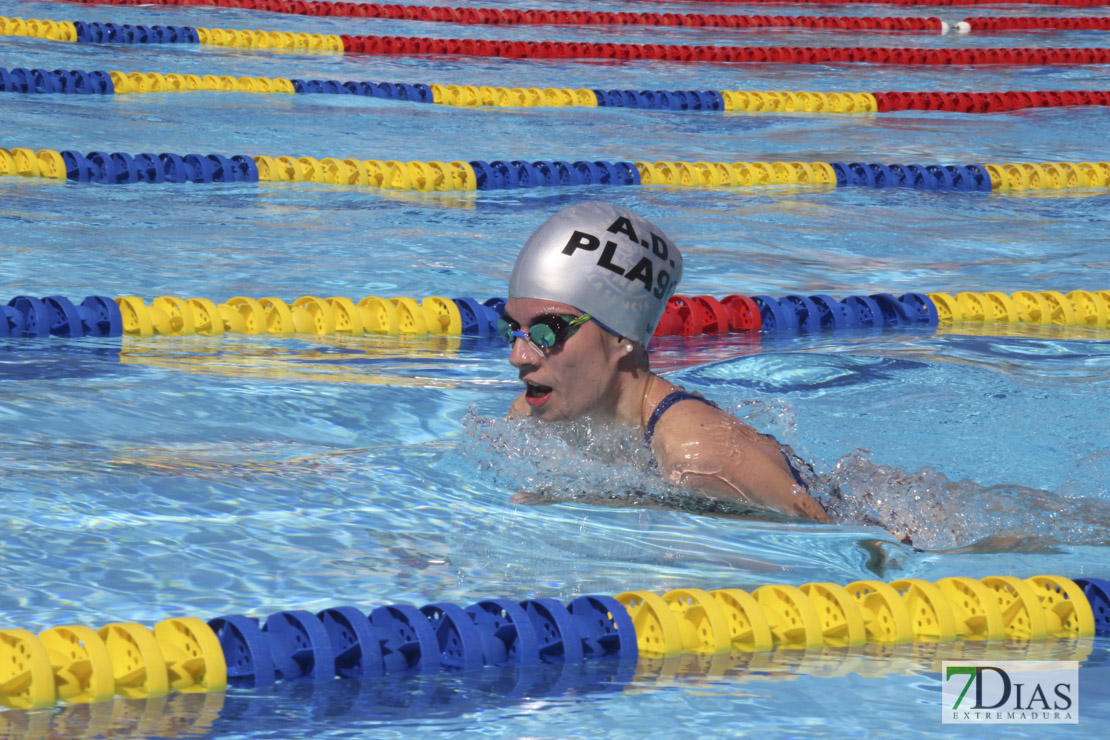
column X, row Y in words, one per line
column 149, row 478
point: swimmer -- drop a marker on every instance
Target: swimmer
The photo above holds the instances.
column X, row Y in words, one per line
column 585, row 295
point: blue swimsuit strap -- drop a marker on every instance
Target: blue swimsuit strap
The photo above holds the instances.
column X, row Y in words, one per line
column 670, row 400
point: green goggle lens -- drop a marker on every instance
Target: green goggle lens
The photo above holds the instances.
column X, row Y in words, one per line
column 545, row 331
column 542, row 334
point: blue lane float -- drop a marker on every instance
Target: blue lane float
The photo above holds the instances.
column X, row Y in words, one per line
column 48, row 81
column 401, row 639
column 970, row 178
column 794, row 314
column 95, row 316
column 1097, row 591
column 661, row 99
column 125, row 33
column 120, row 168
column 511, row 175
column 414, row 93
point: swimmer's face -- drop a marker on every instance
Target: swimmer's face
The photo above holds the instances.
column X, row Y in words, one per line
column 571, row 379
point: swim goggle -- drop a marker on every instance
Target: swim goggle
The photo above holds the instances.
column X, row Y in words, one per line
column 545, row 332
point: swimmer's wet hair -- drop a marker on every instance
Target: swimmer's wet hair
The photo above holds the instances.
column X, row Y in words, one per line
column 605, row 261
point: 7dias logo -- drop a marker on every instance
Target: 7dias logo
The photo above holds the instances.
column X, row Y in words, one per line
column 1010, row 692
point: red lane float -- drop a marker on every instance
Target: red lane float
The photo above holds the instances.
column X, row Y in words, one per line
column 988, row 102
column 704, row 314
column 697, row 54
column 1068, row 3
column 304, row 7
column 329, row 8
column 992, row 23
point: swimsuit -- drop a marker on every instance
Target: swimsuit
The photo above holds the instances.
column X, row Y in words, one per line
column 670, row 400
column 674, row 397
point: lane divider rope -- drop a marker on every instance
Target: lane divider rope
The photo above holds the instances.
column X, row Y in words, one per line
column 1070, row 3
column 509, row 16
column 495, row 16
column 738, row 54
column 77, row 664
column 95, row 32
column 198, row 713
column 994, row 23
column 81, row 82
column 98, row 316
column 121, row 168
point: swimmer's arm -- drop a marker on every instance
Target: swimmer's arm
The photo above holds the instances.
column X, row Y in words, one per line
column 722, row 486
column 711, row 453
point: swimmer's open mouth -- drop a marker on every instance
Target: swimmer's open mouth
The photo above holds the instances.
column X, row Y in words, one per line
column 535, row 390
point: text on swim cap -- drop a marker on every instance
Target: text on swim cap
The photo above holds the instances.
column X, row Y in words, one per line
column 623, row 226
column 642, row 270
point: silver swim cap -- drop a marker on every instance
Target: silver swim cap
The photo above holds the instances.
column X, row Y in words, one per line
column 603, row 260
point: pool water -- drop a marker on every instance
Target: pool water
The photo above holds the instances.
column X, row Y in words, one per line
column 150, row 478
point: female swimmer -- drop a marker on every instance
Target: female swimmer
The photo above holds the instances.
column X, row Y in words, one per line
column 585, row 295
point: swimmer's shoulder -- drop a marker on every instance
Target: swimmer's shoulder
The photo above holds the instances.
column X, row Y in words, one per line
column 693, row 429
column 708, row 448
column 690, row 427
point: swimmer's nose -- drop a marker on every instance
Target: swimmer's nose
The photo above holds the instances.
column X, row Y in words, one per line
column 523, row 353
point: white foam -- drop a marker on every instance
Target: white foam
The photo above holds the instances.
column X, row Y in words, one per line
column 937, row 512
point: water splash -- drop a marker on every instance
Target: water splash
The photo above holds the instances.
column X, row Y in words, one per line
column 610, row 466
column 567, row 460
column 776, row 418
column 935, row 512
column 587, row 462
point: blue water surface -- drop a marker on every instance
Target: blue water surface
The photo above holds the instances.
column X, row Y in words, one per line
column 151, row 478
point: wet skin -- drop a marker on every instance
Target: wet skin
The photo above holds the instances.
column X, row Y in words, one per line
column 696, row 446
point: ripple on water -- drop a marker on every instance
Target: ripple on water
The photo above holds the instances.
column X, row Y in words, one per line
column 788, row 372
